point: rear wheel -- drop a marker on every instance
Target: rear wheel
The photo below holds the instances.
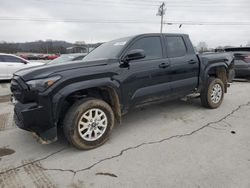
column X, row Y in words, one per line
column 88, row 123
column 213, row 93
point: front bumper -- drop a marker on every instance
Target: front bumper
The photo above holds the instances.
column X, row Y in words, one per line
column 34, row 118
column 32, row 112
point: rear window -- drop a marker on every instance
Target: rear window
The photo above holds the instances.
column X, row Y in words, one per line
column 175, row 46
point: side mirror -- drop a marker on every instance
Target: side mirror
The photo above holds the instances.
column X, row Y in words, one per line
column 134, row 55
column 24, row 62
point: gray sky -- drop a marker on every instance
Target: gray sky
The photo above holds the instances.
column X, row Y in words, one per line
column 143, row 12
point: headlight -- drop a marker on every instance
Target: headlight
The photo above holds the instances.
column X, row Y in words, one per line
column 42, row 84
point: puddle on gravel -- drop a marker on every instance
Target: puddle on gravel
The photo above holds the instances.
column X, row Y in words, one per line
column 6, row 151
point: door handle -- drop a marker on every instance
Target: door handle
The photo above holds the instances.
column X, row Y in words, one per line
column 164, row 65
column 192, row 61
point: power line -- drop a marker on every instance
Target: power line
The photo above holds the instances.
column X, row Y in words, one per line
column 75, row 20
column 110, row 21
column 149, row 3
column 128, row 3
column 135, row 4
column 105, row 3
column 205, row 23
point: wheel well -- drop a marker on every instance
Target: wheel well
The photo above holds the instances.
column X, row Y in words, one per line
column 221, row 73
column 108, row 94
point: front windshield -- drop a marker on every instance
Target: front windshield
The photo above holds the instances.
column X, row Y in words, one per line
column 64, row 58
column 108, row 50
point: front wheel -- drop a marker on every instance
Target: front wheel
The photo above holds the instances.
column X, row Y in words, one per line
column 88, row 123
column 212, row 95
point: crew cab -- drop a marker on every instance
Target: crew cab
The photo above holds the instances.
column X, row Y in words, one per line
column 88, row 98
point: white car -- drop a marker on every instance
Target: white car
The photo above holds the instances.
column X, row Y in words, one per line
column 9, row 64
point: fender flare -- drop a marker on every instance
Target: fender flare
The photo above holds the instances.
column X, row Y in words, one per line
column 204, row 77
column 221, row 64
column 59, row 98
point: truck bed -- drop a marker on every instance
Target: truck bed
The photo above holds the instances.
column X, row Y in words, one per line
column 216, row 57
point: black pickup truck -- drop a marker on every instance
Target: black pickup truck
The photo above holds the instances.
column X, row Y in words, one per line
column 87, row 98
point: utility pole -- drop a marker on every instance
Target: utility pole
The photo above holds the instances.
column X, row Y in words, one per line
column 161, row 13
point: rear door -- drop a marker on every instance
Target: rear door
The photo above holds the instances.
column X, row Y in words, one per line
column 147, row 79
column 184, row 64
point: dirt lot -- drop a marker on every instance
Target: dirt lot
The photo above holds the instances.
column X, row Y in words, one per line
column 174, row 144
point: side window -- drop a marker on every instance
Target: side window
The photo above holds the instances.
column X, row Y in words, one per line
column 175, row 46
column 7, row 58
column 151, row 46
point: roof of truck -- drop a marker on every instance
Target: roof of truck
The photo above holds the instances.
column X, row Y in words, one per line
column 169, row 34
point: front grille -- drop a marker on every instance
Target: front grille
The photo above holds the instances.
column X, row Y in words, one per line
column 21, row 91
column 16, row 89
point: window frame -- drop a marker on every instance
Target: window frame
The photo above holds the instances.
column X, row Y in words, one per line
column 127, row 48
column 167, row 48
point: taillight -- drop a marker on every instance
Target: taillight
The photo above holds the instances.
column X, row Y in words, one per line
column 243, row 57
column 247, row 57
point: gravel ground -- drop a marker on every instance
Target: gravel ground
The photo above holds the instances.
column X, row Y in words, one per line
column 173, row 144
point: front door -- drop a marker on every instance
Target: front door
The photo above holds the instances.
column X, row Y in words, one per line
column 147, row 79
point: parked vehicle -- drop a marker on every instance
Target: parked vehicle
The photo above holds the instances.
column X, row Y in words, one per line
column 87, row 98
column 32, row 57
column 11, row 63
column 69, row 57
column 242, row 61
column 38, row 56
column 51, row 56
column 24, row 56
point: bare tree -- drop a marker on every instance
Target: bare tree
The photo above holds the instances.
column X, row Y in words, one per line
column 202, row 47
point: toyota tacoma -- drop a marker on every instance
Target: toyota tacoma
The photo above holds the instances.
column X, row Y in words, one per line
column 87, row 98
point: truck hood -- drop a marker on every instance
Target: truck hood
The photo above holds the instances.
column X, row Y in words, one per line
column 44, row 71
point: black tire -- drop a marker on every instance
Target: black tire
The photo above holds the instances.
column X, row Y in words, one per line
column 74, row 115
column 206, row 98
